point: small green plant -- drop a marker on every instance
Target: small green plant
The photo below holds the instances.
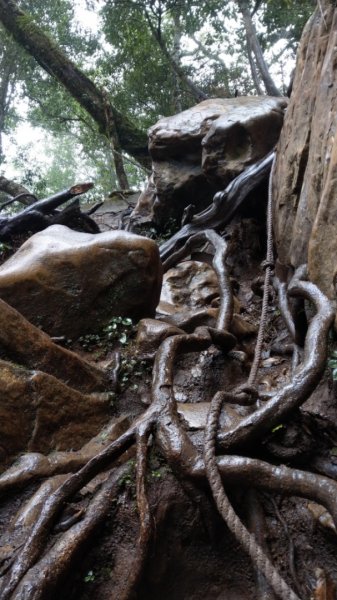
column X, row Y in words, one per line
column 332, row 363
column 132, row 368
column 90, row 577
column 5, row 250
column 119, row 329
column 128, row 481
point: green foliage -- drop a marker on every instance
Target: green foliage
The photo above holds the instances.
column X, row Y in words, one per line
column 285, row 18
column 332, row 363
column 119, row 329
column 89, row 577
column 132, row 371
column 126, row 57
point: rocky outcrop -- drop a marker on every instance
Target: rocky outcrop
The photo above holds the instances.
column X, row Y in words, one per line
column 39, row 413
column 27, row 345
column 69, row 283
column 199, row 151
column 304, row 183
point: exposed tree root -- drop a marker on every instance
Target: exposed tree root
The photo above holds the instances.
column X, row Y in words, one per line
column 41, row 580
column 42, row 213
column 257, row 527
column 146, row 525
column 292, row 567
column 34, row 465
column 224, row 205
column 304, row 380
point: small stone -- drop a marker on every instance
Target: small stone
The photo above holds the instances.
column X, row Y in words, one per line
column 151, row 334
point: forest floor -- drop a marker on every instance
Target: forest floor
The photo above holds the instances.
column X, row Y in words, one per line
column 193, row 555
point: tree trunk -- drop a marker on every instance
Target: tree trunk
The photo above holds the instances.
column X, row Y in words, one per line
column 253, row 42
column 115, row 146
column 196, row 92
column 176, row 56
column 51, row 58
column 255, row 75
column 14, row 189
column 7, row 71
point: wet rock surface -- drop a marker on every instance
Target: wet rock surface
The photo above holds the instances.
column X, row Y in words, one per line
column 200, row 150
column 69, row 283
column 304, row 186
column 191, row 284
column 38, row 413
column 27, row 345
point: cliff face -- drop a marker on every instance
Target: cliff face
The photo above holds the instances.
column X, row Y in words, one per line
column 305, row 179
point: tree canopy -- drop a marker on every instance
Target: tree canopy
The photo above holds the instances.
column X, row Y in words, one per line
column 98, row 91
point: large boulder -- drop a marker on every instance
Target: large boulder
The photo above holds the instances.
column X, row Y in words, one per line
column 69, row 282
column 199, row 151
column 304, row 183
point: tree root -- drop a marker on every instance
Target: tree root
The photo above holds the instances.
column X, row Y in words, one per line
column 41, row 580
column 224, row 205
column 146, row 525
column 34, row 465
column 253, row 549
column 292, row 568
column 305, row 379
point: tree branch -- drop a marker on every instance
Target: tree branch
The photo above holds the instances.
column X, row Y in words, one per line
column 53, row 60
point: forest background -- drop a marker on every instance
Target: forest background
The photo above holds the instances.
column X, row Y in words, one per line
column 145, row 59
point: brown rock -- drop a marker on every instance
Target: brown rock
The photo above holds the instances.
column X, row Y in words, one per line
column 304, row 184
column 191, row 284
column 151, row 334
column 38, row 413
column 27, row 345
column 69, row 282
column 197, row 152
column 246, row 131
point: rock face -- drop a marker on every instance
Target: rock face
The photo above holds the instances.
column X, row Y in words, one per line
column 304, row 184
column 199, row 151
column 38, row 413
column 27, row 345
column 68, row 282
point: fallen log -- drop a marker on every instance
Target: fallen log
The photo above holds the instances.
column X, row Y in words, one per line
column 43, row 213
